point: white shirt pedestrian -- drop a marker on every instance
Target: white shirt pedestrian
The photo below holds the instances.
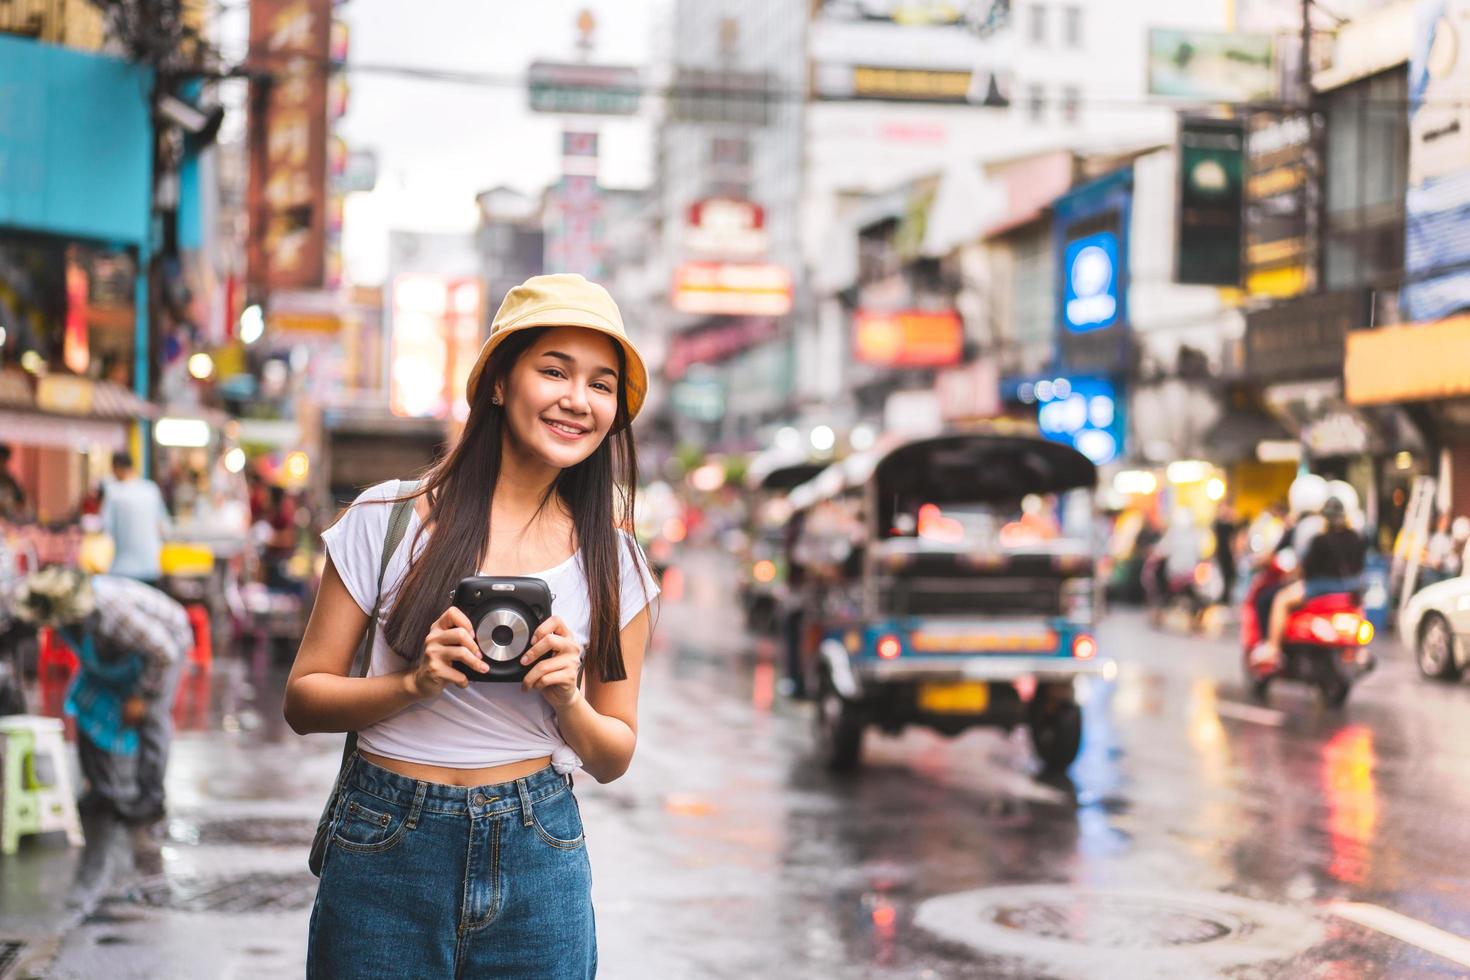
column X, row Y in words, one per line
column 135, row 517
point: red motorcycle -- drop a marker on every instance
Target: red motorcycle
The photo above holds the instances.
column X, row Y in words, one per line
column 1325, row 643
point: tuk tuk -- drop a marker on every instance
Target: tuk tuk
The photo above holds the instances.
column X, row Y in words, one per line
column 970, row 596
column 763, row 587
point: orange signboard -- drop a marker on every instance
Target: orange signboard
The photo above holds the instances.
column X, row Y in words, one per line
column 732, row 289
column 1408, row 362
column 286, row 202
column 909, row 338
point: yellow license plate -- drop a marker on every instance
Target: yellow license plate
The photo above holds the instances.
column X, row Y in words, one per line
column 963, row 698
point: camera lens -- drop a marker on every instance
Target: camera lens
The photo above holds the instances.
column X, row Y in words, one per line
column 503, row 634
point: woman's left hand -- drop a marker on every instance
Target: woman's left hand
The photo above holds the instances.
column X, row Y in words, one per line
column 558, row 659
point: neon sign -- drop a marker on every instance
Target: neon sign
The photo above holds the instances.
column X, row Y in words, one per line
column 1090, row 296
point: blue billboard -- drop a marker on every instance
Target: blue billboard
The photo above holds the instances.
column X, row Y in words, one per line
column 1437, row 203
column 1090, row 282
column 76, row 138
column 1090, row 231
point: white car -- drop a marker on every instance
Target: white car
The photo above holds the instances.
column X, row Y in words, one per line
column 1436, row 626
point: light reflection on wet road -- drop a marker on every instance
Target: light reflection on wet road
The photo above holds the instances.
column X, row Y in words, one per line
column 1183, row 783
column 727, row 852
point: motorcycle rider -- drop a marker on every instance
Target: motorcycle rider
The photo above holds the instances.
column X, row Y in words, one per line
column 1333, row 563
column 1305, row 497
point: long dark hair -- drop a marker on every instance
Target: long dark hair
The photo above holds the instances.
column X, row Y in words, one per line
column 599, row 492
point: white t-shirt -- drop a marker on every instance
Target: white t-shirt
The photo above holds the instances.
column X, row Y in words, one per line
column 134, row 516
column 486, row 724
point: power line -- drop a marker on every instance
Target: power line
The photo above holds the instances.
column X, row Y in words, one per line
column 258, row 65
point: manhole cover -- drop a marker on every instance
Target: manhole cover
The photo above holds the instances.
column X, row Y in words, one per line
column 1093, row 931
column 263, row 831
column 1122, row 923
column 256, row 892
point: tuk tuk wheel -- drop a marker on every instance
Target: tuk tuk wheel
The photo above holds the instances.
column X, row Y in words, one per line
column 839, row 732
column 1056, row 729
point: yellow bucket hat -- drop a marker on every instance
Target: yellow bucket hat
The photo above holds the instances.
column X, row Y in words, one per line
column 564, row 300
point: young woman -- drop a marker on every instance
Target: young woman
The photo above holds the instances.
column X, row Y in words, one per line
column 457, row 848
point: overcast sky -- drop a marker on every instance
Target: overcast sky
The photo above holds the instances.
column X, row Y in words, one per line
column 439, row 143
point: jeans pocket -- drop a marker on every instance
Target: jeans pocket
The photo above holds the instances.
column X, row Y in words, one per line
column 558, row 821
column 368, row 824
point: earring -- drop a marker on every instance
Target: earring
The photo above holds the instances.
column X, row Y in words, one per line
column 495, row 399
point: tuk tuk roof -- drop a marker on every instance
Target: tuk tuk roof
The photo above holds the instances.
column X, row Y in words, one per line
column 773, row 479
column 981, row 467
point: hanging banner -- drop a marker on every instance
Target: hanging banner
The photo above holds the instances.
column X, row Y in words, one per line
column 1211, row 165
column 286, row 202
column 1277, row 256
column 1210, row 66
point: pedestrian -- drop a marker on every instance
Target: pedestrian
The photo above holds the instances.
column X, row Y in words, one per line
column 1441, row 554
column 134, row 516
column 280, row 544
column 131, row 641
column 12, row 494
column 1459, row 542
column 456, row 845
column 1225, row 528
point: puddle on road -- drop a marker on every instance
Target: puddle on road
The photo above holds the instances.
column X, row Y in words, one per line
column 1088, row 932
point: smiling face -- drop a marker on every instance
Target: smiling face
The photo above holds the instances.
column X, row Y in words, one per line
column 561, row 399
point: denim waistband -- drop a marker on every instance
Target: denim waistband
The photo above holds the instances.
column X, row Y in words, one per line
column 475, row 801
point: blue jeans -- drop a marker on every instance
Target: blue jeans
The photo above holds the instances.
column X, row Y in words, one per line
column 1331, row 586
column 427, row 880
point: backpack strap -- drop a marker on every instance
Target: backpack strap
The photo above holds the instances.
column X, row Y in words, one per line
column 397, row 525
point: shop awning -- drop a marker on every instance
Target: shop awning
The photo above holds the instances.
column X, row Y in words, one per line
column 63, row 411
column 59, row 432
column 1410, row 362
column 70, row 396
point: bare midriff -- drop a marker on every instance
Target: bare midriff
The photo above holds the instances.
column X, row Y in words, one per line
column 459, row 777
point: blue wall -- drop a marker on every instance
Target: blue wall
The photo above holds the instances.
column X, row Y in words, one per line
column 75, row 143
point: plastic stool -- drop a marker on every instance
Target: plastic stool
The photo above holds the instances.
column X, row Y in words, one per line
column 35, row 788
column 202, row 653
column 54, row 656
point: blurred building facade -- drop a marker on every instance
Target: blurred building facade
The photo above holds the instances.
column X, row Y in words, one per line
column 729, row 179
column 922, row 194
column 76, row 242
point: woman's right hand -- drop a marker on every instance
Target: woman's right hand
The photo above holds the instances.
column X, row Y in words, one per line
column 451, row 641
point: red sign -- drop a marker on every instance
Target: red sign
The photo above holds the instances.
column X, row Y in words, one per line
column 716, row 343
column 726, row 228
column 286, row 203
column 909, row 338
column 733, row 289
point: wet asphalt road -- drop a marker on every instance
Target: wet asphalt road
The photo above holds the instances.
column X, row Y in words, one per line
column 1198, row 835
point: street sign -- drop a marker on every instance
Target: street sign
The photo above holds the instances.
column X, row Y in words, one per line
column 568, row 87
